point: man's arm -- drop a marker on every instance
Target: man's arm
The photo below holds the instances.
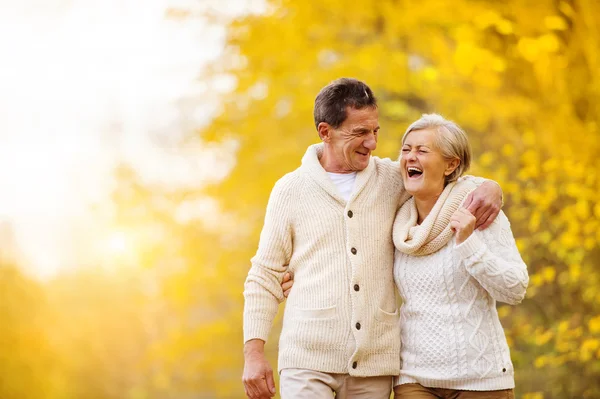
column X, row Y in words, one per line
column 258, row 374
column 484, row 202
column 263, row 291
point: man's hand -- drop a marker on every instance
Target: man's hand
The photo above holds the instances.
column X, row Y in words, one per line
column 485, row 203
column 463, row 223
column 258, row 374
column 287, row 282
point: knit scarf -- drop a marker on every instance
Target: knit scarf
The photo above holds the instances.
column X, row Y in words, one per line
column 435, row 232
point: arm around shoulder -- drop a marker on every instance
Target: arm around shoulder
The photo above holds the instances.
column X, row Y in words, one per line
column 485, row 201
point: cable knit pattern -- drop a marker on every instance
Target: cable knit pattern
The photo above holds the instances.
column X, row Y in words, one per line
column 342, row 256
column 451, row 333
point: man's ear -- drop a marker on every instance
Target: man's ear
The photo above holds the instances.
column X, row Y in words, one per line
column 451, row 166
column 324, row 130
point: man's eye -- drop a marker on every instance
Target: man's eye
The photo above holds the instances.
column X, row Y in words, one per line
column 405, row 150
column 422, row 151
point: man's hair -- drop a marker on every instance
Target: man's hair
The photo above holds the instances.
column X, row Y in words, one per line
column 333, row 99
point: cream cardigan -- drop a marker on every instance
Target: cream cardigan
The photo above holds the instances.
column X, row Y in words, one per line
column 341, row 316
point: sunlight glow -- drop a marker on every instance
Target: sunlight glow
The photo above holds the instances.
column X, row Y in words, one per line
column 118, row 243
column 84, row 85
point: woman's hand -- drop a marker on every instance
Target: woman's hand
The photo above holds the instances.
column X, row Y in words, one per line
column 287, row 282
column 463, row 223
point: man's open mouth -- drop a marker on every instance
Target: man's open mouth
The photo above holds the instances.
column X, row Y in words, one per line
column 414, row 172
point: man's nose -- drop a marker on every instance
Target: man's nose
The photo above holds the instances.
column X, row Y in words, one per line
column 370, row 142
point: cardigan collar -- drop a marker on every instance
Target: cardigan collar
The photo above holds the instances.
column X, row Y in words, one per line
column 311, row 164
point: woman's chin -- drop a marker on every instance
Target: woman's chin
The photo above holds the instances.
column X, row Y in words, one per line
column 412, row 185
column 411, row 189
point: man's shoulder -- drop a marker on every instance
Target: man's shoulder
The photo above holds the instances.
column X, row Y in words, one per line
column 387, row 169
column 288, row 182
column 385, row 162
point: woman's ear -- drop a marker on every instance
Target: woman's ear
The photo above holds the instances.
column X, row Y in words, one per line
column 451, row 166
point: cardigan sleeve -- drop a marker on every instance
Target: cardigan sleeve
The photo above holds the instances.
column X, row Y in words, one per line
column 262, row 289
column 492, row 258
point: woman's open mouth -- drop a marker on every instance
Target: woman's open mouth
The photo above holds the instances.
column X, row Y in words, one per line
column 414, row 173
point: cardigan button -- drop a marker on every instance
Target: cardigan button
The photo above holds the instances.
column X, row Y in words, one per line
column 358, row 326
column 504, row 370
column 354, row 365
column 350, row 214
column 356, row 287
column 353, row 250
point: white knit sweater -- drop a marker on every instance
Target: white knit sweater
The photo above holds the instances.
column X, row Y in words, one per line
column 341, row 316
column 451, row 334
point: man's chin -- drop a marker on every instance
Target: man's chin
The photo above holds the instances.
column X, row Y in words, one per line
column 363, row 162
column 361, row 166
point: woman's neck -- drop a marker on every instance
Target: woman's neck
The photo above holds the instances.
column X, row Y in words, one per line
column 425, row 205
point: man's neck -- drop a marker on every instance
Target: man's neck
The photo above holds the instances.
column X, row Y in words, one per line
column 331, row 165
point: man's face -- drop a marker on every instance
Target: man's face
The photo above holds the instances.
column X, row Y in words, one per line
column 352, row 142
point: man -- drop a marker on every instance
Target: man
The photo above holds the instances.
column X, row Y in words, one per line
column 330, row 223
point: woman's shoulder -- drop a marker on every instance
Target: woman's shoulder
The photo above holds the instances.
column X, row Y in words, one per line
column 501, row 221
column 498, row 232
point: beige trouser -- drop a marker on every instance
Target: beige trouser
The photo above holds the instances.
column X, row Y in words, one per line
column 418, row 391
column 309, row 384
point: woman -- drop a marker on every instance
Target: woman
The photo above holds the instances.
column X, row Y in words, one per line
column 449, row 275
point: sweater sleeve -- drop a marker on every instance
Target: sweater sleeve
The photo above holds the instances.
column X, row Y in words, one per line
column 492, row 258
column 262, row 290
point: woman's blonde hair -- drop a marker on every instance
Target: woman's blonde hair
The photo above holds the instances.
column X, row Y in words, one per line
column 450, row 139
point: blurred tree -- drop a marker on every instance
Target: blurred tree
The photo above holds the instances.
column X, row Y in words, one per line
column 188, row 307
column 26, row 357
column 99, row 333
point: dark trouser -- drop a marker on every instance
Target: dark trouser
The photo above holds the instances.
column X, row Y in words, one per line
column 418, row 391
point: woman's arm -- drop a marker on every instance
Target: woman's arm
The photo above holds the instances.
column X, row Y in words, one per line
column 491, row 256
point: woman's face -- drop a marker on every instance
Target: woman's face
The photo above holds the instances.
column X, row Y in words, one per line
column 423, row 166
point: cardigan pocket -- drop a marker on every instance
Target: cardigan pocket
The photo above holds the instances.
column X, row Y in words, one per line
column 316, row 313
column 314, row 329
column 387, row 317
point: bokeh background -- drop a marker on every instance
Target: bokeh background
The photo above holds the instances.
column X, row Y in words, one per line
column 139, row 142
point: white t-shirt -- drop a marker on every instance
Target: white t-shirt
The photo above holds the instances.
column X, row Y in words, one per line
column 344, row 183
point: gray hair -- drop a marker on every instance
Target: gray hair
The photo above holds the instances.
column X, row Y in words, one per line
column 450, row 139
